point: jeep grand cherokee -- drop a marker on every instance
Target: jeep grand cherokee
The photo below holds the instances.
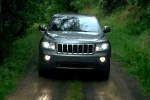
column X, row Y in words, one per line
column 74, row 41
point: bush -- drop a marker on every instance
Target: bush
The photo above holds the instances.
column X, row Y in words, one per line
column 143, row 3
column 111, row 5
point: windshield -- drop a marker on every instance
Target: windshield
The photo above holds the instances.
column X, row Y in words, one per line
column 63, row 23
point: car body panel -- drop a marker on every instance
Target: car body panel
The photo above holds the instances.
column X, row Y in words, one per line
column 75, row 44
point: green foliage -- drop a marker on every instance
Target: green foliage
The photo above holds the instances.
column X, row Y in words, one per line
column 21, row 53
column 17, row 16
column 138, row 2
column 81, row 4
column 130, row 39
column 74, row 91
column 130, row 25
column 111, row 5
column 146, row 18
column 71, row 6
column 131, row 46
column 148, row 13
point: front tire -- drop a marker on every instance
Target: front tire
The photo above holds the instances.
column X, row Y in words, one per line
column 104, row 74
column 41, row 70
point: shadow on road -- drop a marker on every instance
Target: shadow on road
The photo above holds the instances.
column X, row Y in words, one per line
column 67, row 75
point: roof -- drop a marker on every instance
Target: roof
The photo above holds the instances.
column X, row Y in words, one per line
column 74, row 14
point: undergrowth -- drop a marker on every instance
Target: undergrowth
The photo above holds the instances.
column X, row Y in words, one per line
column 131, row 46
column 130, row 40
column 22, row 50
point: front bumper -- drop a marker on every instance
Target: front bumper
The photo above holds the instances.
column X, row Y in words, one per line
column 73, row 61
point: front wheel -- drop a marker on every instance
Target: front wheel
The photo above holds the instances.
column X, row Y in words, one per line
column 41, row 70
column 104, row 74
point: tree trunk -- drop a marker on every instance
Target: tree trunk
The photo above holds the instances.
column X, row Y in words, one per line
column 1, row 17
column 68, row 6
column 1, row 44
column 20, row 31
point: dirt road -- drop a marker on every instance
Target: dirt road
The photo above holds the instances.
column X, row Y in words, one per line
column 119, row 86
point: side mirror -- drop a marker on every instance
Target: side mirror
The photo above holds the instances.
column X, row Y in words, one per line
column 42, row 27
column 106, row 29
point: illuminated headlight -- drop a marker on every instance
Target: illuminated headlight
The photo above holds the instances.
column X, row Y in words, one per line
column 48, row 45
column 103, row 46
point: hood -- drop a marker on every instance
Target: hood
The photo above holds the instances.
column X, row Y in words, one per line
column 74, row 36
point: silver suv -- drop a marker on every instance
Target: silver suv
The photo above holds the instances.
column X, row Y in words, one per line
column 74, row 41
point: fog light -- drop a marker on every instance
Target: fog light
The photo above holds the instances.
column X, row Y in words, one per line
column 102, row 59
column 47, row 57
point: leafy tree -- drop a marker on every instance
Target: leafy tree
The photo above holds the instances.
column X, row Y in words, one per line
column 71, row 6
column 15, row 17
column 111, row 5
column 143, row 3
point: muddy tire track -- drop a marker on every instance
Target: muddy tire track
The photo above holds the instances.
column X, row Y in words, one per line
column 120, row 86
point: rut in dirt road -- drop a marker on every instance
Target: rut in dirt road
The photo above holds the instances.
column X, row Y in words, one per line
column 33, row 87
column 118, row 87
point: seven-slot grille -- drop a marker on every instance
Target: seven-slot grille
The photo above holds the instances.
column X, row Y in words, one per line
column 76, row 48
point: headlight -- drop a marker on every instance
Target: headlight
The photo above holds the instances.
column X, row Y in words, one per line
column 48, row 45
column 103, row 46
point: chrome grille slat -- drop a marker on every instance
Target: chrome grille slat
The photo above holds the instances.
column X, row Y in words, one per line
column 67, row 48
column 62, row 48
column 72, row 49
column 76, row 48
column 88, row 49
column 83, row 49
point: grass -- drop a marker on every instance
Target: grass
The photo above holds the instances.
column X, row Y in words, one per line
column 22, row 51
column 131, row 46
column 74, row 91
